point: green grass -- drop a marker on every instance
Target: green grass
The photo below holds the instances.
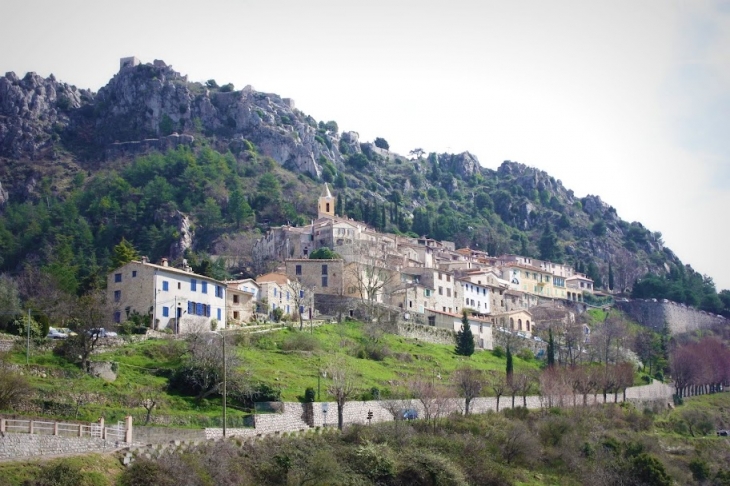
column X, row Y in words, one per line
column 263, row 358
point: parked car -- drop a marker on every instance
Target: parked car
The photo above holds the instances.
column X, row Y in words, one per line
column 408, row 414
column 56, row 334
column 67, row 331
column 101, row 332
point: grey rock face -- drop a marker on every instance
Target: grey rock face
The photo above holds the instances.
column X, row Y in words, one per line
column 33, row 111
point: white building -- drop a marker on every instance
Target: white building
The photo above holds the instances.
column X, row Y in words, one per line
column 176, row 299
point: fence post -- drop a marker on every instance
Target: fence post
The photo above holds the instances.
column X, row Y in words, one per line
column 30, row 427
column 55, row 428
column 2, row 425
column 128, row 429
column 103, row 429
column 81, row 430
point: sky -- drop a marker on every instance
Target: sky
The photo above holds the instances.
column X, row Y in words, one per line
column 628, row 100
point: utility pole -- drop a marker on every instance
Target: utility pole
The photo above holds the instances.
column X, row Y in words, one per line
column 27, row 344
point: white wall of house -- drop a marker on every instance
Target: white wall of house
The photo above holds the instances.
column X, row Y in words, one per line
column 477, row 297
column 178, row 300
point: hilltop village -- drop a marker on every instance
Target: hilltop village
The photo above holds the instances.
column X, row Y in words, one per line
column 337, row 266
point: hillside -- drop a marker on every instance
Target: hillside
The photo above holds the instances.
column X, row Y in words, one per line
column 73, row 176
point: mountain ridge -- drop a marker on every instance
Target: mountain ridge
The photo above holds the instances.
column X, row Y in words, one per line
column 51, row 132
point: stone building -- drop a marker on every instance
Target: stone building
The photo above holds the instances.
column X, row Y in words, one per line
column 177, row 299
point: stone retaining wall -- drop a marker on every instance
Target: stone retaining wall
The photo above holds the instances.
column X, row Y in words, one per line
column 16, row 446
column 678, row 317
column 161, row 435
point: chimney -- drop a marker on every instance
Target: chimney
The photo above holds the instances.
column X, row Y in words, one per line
column 145, row 259
column 164, row 262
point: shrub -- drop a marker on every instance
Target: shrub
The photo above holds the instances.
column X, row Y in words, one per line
column 143, row 472
column 300, row 342
column 525, row 354
column 498, row 352
column 376, row 461
column 700, row 469
column 649, row 470
column 227, row 88
column 552, row 430
column 309, row 395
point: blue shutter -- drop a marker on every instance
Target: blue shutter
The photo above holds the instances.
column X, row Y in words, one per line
column 190, row 307
column 193, row 284
column 199, row 309
column 165, row 312
column 165, row 285
column 205, row 287
column 219, row 314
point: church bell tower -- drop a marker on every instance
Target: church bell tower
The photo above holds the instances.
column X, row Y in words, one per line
column 326, row 204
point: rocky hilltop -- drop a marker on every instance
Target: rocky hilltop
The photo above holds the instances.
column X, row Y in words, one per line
column 54, row 136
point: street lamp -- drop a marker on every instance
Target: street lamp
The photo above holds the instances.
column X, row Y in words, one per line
column 225, row 378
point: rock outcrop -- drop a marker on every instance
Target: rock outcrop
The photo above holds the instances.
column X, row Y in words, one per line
column 34, row 111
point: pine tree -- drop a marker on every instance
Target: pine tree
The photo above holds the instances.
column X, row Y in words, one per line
column 550, row 349
column 465, row 338
column 124, row 253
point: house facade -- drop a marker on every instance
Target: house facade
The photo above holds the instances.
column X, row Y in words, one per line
column 241, row 299
column 177, row 299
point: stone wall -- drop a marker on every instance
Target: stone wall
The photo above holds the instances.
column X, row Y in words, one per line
column 295, row 418
column 428, row 334
column 161, row 435
column 15, row 446
column 678, row 317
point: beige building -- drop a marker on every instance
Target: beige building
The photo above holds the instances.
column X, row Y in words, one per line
column 480, row 328
column 241, row 300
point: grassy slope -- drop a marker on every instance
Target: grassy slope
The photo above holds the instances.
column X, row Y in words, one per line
column 263, row 358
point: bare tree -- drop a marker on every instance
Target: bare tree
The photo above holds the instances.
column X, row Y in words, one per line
column 14, row 387
column 302, row 295
column 150, row 397
column 498, row 383
column 90, row 315
column 469, row 382
column 608, row 337
column 343, row 385
column 525, row 381
column 435, row 399
column 369, row 281
column 205, row 369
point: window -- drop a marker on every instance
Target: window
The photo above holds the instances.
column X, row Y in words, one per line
column 165, row 285
column 441, row 291
column 219, row 291
column 193, row 284
column 287, row 295
column 298, row 269
column 448, row 278
column 275, row 292
column 117, row 277
column 324, row 269
column 448, row 292
column 134, row 273
column 301, row 294
column 179, row 284
column 427, row 292
column 117, row 295
column 301, row 310
column 218, row 313
column 117, row 317
column 235, row 315
column 431, row 320
column 199, row 309
column 527, row 324
column 165, row 312
column 324, row 281
column 191, row 306
column 235, row 299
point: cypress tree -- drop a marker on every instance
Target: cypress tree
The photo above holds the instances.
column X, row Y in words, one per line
column 550, row 349
column 465, row 338
column 510, row 364
column 610, row 276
